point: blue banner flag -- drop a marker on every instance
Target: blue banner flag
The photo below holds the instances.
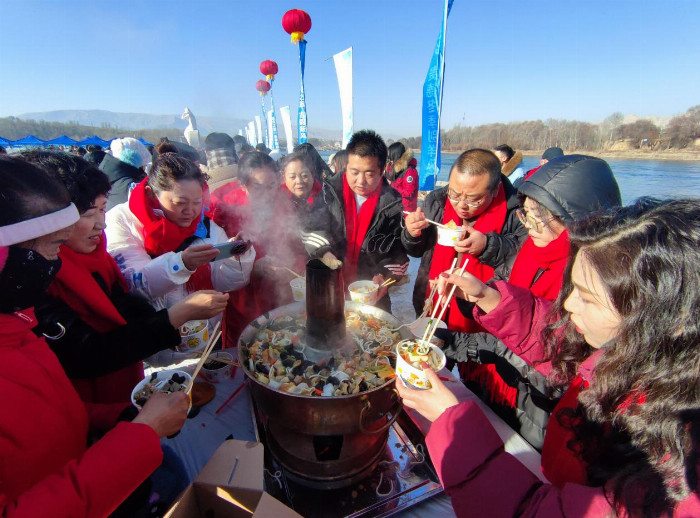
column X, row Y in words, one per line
column 275, row 143
column 301, row 119
column 432, row 101
column 264, row 134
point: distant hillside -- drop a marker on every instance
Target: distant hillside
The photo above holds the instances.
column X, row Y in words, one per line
column 143, row 121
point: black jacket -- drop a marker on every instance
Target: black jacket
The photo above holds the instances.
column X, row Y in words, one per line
column 120, row 175
column 500, row 247
column 382, row 244
column 86, row 353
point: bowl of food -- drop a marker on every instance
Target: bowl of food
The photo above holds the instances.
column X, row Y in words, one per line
column 410, row 356
column 218, row 367
column 298, row 286
column 194, row 335
column 420, row 325
column 449, row 234
column 364, row 292
column 161, row 381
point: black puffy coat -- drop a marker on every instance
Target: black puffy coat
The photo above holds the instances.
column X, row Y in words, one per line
column 120, row 175
column 500, row 247
column 382, row 244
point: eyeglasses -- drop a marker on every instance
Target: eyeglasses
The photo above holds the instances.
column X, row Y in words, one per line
column 457, row 199
column 530, row 222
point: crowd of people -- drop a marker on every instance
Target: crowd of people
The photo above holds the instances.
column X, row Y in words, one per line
column 575, row 319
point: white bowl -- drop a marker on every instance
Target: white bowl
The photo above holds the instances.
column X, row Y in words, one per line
column 298, row 289
column 364, row 292
column 415, row 376
column 220, row 374
column 449, row 237
column 196, row 341
column 159, row 376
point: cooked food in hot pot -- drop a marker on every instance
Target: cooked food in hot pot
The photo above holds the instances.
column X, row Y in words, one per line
column 276, row 357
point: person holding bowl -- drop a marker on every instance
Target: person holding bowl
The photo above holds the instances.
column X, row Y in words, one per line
column 47, row 469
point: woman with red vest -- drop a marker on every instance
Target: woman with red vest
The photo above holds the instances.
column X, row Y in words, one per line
column 402, row 174
column 99, row 331
column 622, row 341
column 258, row 210
column 47, row 469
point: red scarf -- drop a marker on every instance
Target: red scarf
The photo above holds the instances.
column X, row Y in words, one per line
column 75, row 285
column 551, row 258
column 160, row 235
column 317, row 187
column 492, row 220
column 356, row 226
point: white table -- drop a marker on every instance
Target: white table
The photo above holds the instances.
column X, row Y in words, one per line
column 203, row 434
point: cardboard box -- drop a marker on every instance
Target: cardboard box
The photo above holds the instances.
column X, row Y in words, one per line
column 230, row 485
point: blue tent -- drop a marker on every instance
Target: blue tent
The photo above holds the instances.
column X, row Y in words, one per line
column 60, row 141
column 5, row 143
column 29, row 140
column 144, row 141
column 93, row 141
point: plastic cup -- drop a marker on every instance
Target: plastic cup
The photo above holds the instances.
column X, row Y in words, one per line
column 161, row 376
column 216, row 375
column 415, row 376
column 448, row 236
column 364, row 292
column 298, row 288
column 194, row 334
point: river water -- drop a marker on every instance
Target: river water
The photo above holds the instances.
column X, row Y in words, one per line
column 660, row 178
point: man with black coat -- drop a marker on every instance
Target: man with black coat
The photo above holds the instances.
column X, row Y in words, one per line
column 483, row 201
column 366, row 214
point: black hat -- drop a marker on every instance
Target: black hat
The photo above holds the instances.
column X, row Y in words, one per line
column 552, row 153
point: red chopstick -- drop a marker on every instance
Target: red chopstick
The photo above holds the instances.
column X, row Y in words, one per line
column 230, row 398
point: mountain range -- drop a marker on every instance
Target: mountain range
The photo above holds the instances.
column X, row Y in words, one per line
column 139, row 121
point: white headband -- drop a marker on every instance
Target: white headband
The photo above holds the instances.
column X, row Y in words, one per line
column 37, row 227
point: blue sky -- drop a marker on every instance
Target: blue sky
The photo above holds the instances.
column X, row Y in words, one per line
column 506, row 60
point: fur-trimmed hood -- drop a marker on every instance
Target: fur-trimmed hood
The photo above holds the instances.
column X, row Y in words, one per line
column 403, row 162
column 512, row 164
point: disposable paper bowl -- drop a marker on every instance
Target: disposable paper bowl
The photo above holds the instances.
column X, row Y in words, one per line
column 160, row 376
column 449, row 237
column 220, row 374
column 298, row 289
column 419, row 326
column 194, row 341
column 412, row 376
column 364, row 292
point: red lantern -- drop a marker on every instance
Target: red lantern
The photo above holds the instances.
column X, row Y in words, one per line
column 297, row 23
column 268, row 68
column 262, row 86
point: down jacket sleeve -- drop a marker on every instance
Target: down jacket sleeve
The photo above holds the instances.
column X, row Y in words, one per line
column 96, row 483
column 483, row 480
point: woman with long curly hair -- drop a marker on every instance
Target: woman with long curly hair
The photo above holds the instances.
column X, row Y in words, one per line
column 622, row 339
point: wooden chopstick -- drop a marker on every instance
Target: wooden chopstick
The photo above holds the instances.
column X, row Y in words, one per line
column 235, row 392
column 293, row 273
column 431, row 221
column 207, row 350
column 447, row 303
column 387, row 282
column 437, row 305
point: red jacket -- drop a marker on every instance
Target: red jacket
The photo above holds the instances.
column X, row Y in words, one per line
column 480, row 477
column 406, row 183
column 47, row 468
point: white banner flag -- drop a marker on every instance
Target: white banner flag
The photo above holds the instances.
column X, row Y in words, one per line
column 343, row 69
column 252, row 139
column 287, row 124
column 269, row 128
column 261, row 135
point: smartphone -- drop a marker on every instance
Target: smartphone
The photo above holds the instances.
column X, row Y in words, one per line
column 228, row 249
